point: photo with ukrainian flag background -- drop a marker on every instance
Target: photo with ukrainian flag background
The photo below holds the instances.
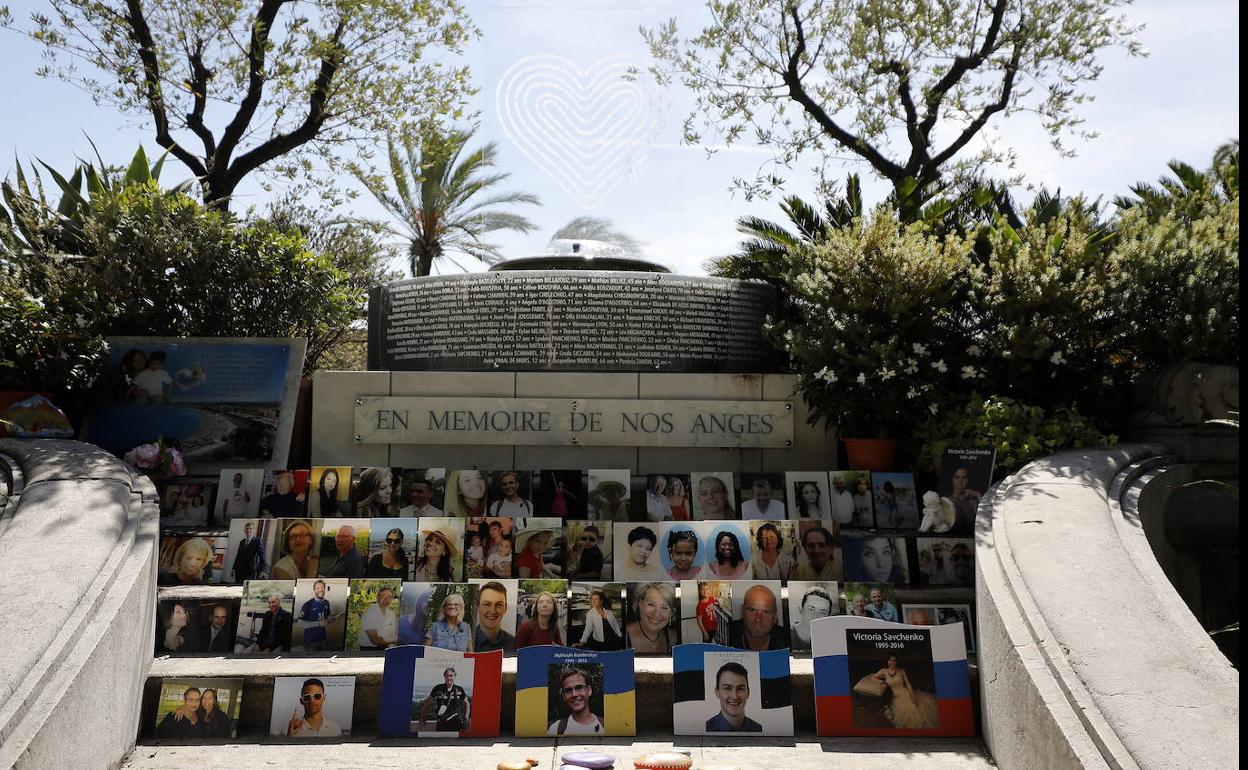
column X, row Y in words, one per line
column 538, row 701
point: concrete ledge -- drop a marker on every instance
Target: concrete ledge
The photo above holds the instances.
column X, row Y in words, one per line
column 1088, row 657
column 77, row 577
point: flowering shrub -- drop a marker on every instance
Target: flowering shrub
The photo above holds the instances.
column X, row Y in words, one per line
column 157, row 460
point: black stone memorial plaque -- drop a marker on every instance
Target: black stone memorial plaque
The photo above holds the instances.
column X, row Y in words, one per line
column 546, row 320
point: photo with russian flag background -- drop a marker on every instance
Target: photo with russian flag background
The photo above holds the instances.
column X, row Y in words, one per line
column 725, row 690
column 434, row 693
column 876, row 678
column 562, row 691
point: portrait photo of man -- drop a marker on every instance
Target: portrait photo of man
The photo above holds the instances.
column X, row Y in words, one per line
column 340, row 554
column 575, row 692
column 218, row 636
column 448, row 706
column 732, row 692
column 491, row 614
column 759, row 626
column 312, row 707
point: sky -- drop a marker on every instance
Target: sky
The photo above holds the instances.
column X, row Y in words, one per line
column 569, row 130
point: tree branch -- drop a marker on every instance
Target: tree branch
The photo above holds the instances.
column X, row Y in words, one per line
column 976, row 125
column 918, row 141
column 200, row 75
column 260, row 30
column 281, row 144
column 141, row 33
column 961, row 66
column 797, row 92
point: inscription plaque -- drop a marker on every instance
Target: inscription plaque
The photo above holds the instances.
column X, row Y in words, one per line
column 545, row 320
column 572, row 422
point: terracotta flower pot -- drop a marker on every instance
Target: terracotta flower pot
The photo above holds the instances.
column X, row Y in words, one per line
column 871, row 454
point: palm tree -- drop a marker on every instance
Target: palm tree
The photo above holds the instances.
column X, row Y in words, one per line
column 444, row 204
column 599, row 229
column 1185, row 193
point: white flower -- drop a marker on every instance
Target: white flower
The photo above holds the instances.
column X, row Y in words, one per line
column 826, row 375
column 920, row 349
column 1107, row 381
column 912, row 393
column 887, row 374
column 933, row 408
column 974, row 350
column 862, row 378
column 1057, row 359
column 939, row 365
column 969, row 372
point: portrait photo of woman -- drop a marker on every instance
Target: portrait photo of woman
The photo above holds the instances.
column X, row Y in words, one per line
column 299, row 548
column 389, row 552
column 331, row 491
column 186, row 560
column 542, row 623
column 438, row 558
column 452, row 629
column 713, row 496
column 635, row 549
column 374, row 493
column 600, row 628
column 467, row 493
column 651, row 630
column 729, row 558
column 875, row 559
column 809, row 495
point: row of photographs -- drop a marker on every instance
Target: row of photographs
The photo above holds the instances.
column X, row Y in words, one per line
column 442, row 549
column 907, row 680
column 369, row 615
column 857, row 499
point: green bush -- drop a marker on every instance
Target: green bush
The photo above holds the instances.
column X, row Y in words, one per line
column 155, row 262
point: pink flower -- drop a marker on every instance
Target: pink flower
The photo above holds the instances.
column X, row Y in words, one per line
column 146, row 455
column 177, row 465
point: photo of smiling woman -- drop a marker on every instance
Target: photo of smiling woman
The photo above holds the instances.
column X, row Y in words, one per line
column 653, row 614
column 730, row 549
column 467, row 493
column 635, row 553
column 373, row 495
column 388, row 549
column 875, row 559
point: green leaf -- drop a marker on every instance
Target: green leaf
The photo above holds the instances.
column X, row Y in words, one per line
column 140, row 171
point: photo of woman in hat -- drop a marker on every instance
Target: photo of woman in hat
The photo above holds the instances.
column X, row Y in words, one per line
column 608, row 496
column 530, row 545
column 437, row 556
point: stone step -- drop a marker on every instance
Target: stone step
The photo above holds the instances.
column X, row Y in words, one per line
column 710, row 753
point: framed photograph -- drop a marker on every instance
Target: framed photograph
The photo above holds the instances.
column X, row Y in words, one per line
column 590, row 550
column 266, row 617
column 818, row 556
column 511, row 495
column 653, row 618
column 682, row 552
column 295, row 551
column 757, row 616
column 375, row 492
column 320, row 611
column 596, row 616
column 714, row 498
column 422, row 492
column 309, row 708
column 191, row 559
column 762, row 497
column 449, row 615
column 285, row 495
column 809, row 601
column 433, row 693
column 942, row 615
column 729, row 549
column 344, row 547
column 896, row 500
column 609, row 492
column 496, row 615
column 195, row 625
column 874, row 678
column 851, row 499
column 667, row 497
column 636, row 549
column 198, row 709
column 875, row 558
column 809, row 495
column 946, row 561
column 224, row 402
column 705, row 611
column 467, row 493
column 373, row 614
column 560, row 494
column 247, row 555
column 187, row 503
column 965, row 476
column 721, row 690
column 329, row 491
column 440, row 556
column 392, row 545
column 539, row 548
column 582, row 693
column 541, row 612
column 490, row 548
column 775, row 549
column 238, row 494
column 872, row 600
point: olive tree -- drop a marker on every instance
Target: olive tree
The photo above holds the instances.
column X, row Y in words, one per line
column 908, row 86
column 232, row 87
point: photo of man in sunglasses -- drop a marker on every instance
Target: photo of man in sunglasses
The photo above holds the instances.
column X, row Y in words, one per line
column 309, row 720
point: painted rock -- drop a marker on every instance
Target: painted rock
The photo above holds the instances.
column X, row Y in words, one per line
column 663, row 760
column 592, row 760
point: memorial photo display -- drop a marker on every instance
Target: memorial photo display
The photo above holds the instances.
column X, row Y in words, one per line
column 721, row 690
column 878, row 678
column 222, row 402
column 195, row 625
column 190, row 559
column 198, row 709
column 312, row 708
column 582, row 693
column 965, row 475
column 428, row 692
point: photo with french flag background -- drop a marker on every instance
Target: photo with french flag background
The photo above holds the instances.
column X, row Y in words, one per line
column 435, row 693
column 876, row 678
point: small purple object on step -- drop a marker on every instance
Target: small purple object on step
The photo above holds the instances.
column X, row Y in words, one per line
column 591, row 760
